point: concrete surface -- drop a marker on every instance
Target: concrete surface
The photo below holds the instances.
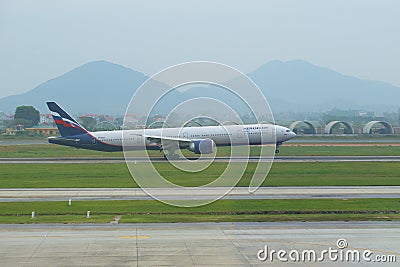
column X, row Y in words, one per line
column 200, row 244
column 286, row 192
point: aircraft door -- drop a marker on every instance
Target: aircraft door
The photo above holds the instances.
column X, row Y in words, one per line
column 239, row 134
column 238, row 138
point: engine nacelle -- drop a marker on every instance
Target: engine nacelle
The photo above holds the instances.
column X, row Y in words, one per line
column 203, row 146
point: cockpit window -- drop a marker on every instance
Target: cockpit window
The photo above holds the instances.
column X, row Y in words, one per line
column 287, row 131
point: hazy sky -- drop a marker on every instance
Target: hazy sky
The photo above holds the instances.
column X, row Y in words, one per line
column 40, row 40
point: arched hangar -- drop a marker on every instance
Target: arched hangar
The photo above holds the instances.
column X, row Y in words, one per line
column 309, row 130
column 369, row 128
column 348, row 129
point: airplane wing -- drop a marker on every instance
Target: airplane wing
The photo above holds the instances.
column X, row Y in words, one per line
column 157, row 139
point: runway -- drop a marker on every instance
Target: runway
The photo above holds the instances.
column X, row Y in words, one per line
column 306, row 192
column 218, row 159
column 200, row 244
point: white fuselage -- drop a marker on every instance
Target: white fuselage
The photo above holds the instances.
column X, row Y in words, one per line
column 254, row 134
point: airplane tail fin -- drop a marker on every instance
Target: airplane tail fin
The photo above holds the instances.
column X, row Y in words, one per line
column 67, row 126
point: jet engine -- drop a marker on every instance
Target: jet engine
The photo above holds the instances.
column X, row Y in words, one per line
column 203, row 146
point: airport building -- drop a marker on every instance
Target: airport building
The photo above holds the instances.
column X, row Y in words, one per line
column 42, row 131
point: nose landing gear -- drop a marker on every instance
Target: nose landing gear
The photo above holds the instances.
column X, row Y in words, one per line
column 277, row 147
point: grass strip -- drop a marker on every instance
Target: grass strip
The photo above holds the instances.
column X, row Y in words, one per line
column 223, row 210
column 116, row 175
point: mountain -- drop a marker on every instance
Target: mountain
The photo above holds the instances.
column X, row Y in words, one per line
column 95, row 87
column 104, row 87
column 301, row 86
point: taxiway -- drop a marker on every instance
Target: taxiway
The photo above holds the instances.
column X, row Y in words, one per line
column 196, row 244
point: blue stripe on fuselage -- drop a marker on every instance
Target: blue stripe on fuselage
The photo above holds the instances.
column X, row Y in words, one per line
column 86, row 141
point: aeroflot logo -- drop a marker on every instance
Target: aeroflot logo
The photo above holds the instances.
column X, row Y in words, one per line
column 63, row 121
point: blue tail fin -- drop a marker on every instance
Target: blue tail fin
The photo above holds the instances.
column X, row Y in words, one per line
column 67, row 126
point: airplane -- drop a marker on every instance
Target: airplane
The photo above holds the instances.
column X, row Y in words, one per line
column 199, row 140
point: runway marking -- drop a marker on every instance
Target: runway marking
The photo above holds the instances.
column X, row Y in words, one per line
column 134, row 237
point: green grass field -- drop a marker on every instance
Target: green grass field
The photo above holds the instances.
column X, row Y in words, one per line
column 117, row 174
column 223, row 210
column 48, row 150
